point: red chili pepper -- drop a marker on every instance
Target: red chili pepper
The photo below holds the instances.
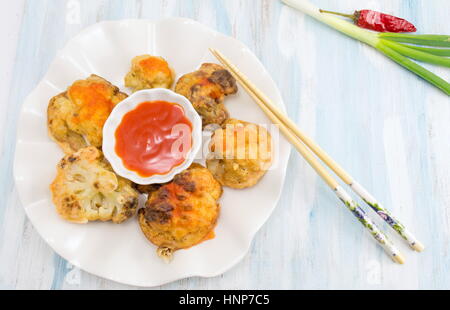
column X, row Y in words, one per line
column 378, row 21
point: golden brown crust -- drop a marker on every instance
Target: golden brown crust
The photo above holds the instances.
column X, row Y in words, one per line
column 207, row 88
column 149, row 72
column 75, row 118
column 240, row 162
column 86, row 189
column 182, row 213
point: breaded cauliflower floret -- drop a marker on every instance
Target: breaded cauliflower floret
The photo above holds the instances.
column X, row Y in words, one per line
column 182, row 213
column 241, row 153
column 86, row 189
column 149, row 72
column 76, row 117
column 206, row 89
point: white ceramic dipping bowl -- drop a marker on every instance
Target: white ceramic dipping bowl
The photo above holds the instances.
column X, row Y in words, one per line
column 130, row 103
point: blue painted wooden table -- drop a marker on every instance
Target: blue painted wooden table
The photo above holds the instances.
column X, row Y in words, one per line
column 384, row 125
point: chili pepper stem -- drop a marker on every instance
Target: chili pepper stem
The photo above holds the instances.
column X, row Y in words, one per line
column 351, row 16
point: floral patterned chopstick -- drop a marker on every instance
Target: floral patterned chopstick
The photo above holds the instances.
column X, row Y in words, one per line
column 338, row 170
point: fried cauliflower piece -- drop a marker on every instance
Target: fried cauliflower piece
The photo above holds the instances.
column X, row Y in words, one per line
column 182, row 213
column 86, row 189
column 207, row 88
column 149, row 72
column 241, row 153
column 76, row 117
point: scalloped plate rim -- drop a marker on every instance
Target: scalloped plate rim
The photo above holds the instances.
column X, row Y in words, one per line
column 153, row 283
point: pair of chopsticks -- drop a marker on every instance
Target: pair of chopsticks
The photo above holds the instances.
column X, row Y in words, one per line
column 306, row 147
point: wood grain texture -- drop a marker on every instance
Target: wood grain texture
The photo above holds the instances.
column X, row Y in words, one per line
column 387, row 127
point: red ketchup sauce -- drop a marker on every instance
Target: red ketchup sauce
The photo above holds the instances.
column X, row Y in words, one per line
column 154, row 138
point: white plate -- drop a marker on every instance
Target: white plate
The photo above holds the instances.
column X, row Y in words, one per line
column 120, row 252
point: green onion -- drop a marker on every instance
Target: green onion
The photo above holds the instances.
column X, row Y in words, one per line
column 430, row 50
column 388, row 44
column 415, row 54
column 420, row 39
column 417, row 69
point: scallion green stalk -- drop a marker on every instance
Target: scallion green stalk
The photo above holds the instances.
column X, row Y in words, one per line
column 387, row 43
column 430, row 50
column 420, row 39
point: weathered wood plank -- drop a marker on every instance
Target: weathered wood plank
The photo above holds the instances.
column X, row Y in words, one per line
column 386, row 126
